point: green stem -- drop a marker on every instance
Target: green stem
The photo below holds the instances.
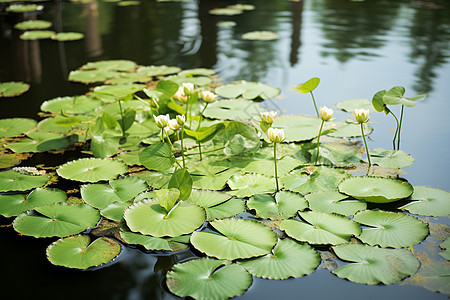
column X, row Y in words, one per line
column 396, row 129
column 400, row 128
column 162, row 135
column 123, row 122
column 198, row 127
column 275, row 161
column 315, row 106
column 318, row 142
column 168, row 138
column 182, row 145
column 367, row 148
column 200, row 150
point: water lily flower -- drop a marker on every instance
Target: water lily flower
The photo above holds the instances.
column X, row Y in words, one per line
column 326, row 114
column 268, row 117
column 362, row 115
column 180, row 95
column 275, row 135
column 181, row 119
column 188, row 88
column 161, row 120
column 208, row 97
column 173, row 124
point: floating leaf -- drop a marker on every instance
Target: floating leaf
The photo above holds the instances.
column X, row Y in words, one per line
column 67, row 36
column 157, row 157
column 149, row 218
column 41, row 142
column 446, row 246
column 151, row 242
column 8, row 160
column 236, row 110
column 283, row 206
column 250, row 184
column 110, row 65
column 77, row 252
column 180, row 79
column 372, row 265
column 72, row 105
column 334, row 202
column 15, row 181
column 91, row 169
column 390, row 158
column 150, row 71
column 207, row 199
column 14, row 205
column 376, row 189
column 13, row 88
column 260, row 36
column 57, row 220
column 237, row 238
column 91, row 76
column 197, row 72
column 33, row 24
column 351, row 104
column 433, row 277
column 226, row 209
column 208, row 279
column 428, row 201
column 37, row 35
column 215, row 181
column 348, row 130
column 323, row 228
column 298, row 128
column 21, row 8
column 15, row 126
column 247, row 90
column 309, row 180
column 225, row 11
column 284, row 261
column 267, row 167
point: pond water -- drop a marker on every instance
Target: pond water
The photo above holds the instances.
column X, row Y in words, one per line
column 356, row 48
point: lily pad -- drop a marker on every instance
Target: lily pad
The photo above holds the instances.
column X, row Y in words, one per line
column 208, row 279
column 15, row 181
column 267, row 167
column 227, row 209
column 250, row 184
column 376, row 189
column 72, row 104
column 8, row 160
column 13, row 88
column 351, row 104
column 236, row 110
column 151, row 242
column 349, row 130
column 446, row 246
column 77, row 252
column 14, row 205
column 207, row 199
column 15, row 126
column 33, row 24
column 21, row 8
column 433, row 277
column 373, row 265
column 37, row 35
column 48, row 124
column 428, row 201
column 237, row 238
column 41, row 142
column 322, row 228
column 247, row 90
column 110, row 65
column 334, row 202
column 150, row 71
column 260, row 36
column 197, row 72
column 149, row 218
column 298, row 128
column 57, row 220
column 91, row 76
column 157, row 157
column 283, row 206
column 283, row 262
column 67, row 36
column 215, row 181
column 91, row 169
column 391, row 158
column 225, row 11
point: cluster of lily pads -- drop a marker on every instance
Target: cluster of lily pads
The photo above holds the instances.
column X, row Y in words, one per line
column 172, row 160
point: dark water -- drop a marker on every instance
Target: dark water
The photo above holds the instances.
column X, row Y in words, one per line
column 356, row 47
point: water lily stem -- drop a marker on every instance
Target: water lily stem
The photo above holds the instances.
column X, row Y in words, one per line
column 365, row 143
column 315, row 106
column 400, row 128
column 318, row 142
column 182, row 145
column 275, row 161
column 123, row 121
column 396, row 129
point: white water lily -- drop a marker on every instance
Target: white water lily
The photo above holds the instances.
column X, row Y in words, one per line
column 362, row 115
column 173, row 124
column 188, row 88
column 161, row 120
column 268, row 116
column 180, row 95
column 208, row 97
column 275, row 135
column 326, row 114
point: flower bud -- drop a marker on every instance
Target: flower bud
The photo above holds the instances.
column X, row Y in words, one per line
column 326, row 114
column 188, row 88
column 275, row 135
column 268, row 117
column 181, row 119
column 208, row 97
column 173, row 124
column 161, row 120
column 362, row 115
column 180, row 95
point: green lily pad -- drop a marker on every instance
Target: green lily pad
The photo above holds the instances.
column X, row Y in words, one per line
column 334, row 202
column 91, row 169
column 14, row 205
column 15, row 181
column 157, row 157
column 48, row 124
column 260, row 36
column 225, row 11
column 322, row 228
column 197, row 72
column 157, row 180
column 337, row 154
column 433, row 277
column 207, row 199
column 216, row 181
column 57, row 220
column 180, row 79
column 241, row 6
column 310, row 180
column 41, row 142
column 389, row 229
column 33, row 24
column 348, row 130
column 71, row 105
column 247, row 90
column 446, row 246
column 227, row 209
column 428, row 201
column 236, row 110
column 298, row 128
column 77, row 252
column 91, row 76
column 15, row 126
column 67, row 36
column 283, row 206
column 150, row 71
column 110, row 93
column 110, row 65
column 21, row 8
column 151, row 242
column 37, row 35
column 284, row 261
column 376, row 189
column 13, row 88
column 250, row 184
column 351, row 104
column 373, row 265
column 120, row 190
column 149, row 218
column 390, row 158
column 208, row 279
column 237, row 238
column 267, row 167
column 8, row 160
